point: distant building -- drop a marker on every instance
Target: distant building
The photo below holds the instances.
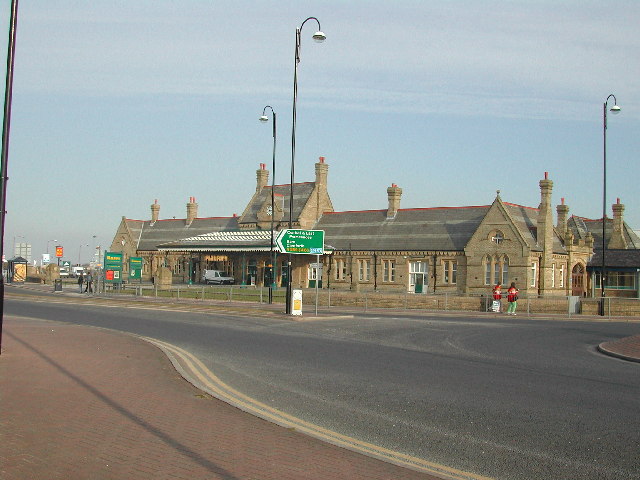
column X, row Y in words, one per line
column 419, row 250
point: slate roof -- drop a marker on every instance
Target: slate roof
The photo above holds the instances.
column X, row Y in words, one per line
column 581, row 226
column 526, row 219
column 301, row 194
column 447, row 229
column 617, row 258
column 149, row 236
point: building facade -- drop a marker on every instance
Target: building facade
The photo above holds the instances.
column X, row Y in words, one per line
column 419, row 250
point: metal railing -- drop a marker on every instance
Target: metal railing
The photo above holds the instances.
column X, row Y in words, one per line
column 527, row 305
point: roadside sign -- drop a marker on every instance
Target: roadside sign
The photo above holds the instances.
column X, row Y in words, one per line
column 135, row 268
column 59, row 251
column 305, row 242
column 113, row 267
column 66, row 263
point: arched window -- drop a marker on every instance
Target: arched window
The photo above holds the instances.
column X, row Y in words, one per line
column 487, row 270
column 496, row 270
column 505, row 270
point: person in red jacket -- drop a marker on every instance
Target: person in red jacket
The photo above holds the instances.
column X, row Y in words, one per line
column 497, row 297
column 512, row 298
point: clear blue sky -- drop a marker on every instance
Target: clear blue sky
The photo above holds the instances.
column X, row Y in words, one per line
column 117, row 103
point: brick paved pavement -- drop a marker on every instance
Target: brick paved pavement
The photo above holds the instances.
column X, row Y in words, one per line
column 627, row 348
column 82, row 403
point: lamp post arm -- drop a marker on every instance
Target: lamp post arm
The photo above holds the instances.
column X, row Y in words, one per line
column 298, row 37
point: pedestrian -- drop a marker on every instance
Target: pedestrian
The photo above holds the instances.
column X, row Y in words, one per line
column 512, row 298
column 89, row 280
column 80, row 281
column 497, row 298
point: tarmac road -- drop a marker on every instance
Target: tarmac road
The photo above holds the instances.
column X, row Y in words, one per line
column 505, row 398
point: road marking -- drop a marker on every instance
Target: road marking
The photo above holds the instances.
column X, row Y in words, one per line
column 199, row 375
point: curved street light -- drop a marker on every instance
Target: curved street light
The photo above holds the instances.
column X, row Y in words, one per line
column 319, row 37
column 264, row 118
column 615, row 109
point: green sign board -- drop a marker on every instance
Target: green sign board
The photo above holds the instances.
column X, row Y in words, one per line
column 135, row 268
column 112, row 267
column 304, row 242
column 66, row 264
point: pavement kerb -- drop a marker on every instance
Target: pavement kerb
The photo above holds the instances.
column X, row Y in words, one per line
column 627, row 348
column 196, row 373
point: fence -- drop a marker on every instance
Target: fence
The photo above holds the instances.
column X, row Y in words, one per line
column 371, row 301
column 198, row 292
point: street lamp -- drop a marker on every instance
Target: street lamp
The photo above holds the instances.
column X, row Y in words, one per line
column 48, row 244
column 265, row 119
column 80, row 253
column 614, row 110
column 318, row 37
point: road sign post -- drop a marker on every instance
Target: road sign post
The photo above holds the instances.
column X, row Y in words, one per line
column 300, row 242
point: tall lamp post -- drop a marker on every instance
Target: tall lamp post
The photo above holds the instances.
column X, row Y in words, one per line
column 318, row 37
column 272, row 259
column 6, row 128
column 48, row 244
column 614, row 110
column 80, row 253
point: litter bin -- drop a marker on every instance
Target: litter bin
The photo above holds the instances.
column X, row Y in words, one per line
column 57, row 285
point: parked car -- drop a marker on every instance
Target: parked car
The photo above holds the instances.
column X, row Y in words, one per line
column 64, row 273
column 217, row 277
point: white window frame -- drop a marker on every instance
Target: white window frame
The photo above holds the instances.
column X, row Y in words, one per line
column 388, row 271
column 450, row 271
column 364, row 269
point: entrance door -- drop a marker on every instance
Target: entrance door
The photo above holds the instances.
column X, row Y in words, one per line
column 577, row 280
column 418, row 277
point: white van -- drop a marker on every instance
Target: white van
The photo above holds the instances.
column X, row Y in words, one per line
column 76, row 271
column 217, row 277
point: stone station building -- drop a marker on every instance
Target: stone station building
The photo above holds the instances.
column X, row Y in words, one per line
column 418, row 250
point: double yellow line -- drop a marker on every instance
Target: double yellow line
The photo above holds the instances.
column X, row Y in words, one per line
column 192, row 369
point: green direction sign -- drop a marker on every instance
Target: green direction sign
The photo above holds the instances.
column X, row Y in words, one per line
column 112, row 267
column 306, row 242
column 66, row 263
column 135, row 268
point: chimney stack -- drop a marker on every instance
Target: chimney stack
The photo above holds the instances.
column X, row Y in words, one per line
column 192, row 210
column 563, row 214
column 262, row 175
column 321, row 172
column 394, row 194
column 545, row 235
column 155, row 211
column 617, row 239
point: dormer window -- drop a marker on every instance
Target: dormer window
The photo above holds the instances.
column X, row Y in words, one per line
column 498, row 238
